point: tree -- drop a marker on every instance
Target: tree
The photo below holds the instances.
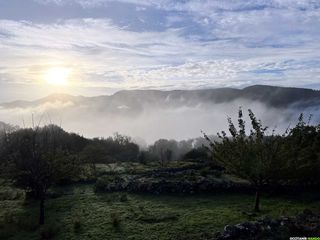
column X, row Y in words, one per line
column 302, row 149
column 184, row 147
column 5, row 130
column 112, row 149
column 165, row 150
column 198, row 154
column 95, row 152
column 40, row 158
column 255, row 157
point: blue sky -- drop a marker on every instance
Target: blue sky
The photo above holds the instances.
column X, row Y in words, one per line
column 157, row 44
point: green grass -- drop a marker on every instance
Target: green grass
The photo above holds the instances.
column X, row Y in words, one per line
column 86, row 215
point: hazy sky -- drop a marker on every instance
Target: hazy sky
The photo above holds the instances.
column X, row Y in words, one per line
column 106, row 45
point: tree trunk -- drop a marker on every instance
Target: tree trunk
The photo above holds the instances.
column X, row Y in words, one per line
column 41, row 216
column 257, row 201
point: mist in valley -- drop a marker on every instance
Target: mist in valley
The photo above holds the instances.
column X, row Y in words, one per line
column 146, row 121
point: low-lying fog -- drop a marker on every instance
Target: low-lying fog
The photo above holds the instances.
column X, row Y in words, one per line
column 148, row 122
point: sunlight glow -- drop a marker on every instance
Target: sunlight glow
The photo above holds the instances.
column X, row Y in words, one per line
column 57, row 76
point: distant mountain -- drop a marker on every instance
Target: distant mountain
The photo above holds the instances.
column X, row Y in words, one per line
column 277, row 97
column 153, row 114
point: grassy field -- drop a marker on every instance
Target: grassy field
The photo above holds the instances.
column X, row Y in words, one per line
column 81, row 214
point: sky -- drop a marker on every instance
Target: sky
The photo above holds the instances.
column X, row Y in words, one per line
column 98, row 47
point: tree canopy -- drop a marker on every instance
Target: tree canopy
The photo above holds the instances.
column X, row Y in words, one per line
column 266, row 158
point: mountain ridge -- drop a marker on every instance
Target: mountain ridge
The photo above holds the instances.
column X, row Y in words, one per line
column 271, row 95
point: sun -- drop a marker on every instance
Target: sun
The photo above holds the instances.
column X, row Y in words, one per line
column 57, row 76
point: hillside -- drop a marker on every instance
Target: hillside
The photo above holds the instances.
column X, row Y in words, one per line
column 154, row 114
column 270, row 95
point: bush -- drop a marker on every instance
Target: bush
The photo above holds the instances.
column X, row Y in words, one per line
column 110, row 183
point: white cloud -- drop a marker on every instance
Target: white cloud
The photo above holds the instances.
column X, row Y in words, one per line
column 229, row 43
column 206, row 5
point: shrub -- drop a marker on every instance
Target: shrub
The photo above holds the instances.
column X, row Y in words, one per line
column 109, row 183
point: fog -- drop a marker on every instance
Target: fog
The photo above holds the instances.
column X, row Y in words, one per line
column 149, row 122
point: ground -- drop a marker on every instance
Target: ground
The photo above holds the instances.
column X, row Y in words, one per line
column 82, row 214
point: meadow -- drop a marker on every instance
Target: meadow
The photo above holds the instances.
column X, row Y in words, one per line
column 77, row 212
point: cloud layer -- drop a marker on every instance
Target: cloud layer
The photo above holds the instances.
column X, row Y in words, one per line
column 175, row 120
column 160, row 44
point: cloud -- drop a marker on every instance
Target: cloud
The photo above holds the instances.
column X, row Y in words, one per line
column 174, row 120
column 162, row 44
column 207, row 5
column 166, row 44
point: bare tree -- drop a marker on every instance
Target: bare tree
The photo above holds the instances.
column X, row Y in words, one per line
column 38, row 159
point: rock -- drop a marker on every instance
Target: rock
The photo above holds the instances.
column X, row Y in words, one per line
column 266, row 220
column 305, row 224
column 240, row 227
column 274, row 223
column 250, row 227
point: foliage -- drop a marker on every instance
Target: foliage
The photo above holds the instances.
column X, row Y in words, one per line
column 5, row 130
column 255, row 157
column 164, row 151
column 302, row 149
column 268, row 159
column 39, row 158
column 198, row 154
column 119, row 148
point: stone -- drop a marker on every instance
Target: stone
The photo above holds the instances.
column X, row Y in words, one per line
column 306, row 223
